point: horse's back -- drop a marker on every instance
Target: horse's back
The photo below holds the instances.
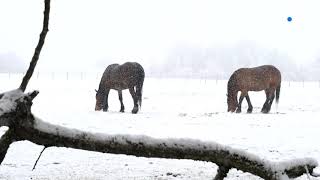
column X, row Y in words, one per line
column 270, row 72
column 264, row 72
column 257, row 78
column 134, row 67
column 131, row 70
column 124, row 76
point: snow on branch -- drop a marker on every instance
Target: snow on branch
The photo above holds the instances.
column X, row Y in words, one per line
column 8, row 103
column 145, row 146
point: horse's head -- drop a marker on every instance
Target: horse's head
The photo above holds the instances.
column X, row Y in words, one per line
column 99, row 99
column 232, row 103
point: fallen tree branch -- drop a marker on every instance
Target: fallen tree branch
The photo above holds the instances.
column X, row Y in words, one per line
column 143, row 146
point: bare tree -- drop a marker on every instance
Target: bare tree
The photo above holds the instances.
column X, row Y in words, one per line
column 15, row 113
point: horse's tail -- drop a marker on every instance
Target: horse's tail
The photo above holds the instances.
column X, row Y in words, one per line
column 139, row 92
column 278, row 93
column 139, row 85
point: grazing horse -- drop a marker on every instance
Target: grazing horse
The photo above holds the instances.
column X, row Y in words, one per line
column 129, row 75
column 267, row 78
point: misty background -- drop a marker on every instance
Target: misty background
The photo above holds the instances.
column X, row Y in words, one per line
column 177, row 38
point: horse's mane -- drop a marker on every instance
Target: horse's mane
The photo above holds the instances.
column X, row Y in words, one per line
column 231, row 84
column 105, row 75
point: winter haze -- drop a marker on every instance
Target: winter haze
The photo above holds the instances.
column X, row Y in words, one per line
column 181, row 38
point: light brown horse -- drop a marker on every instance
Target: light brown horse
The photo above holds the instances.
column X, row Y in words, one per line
column 129, row 75
column 267, row 78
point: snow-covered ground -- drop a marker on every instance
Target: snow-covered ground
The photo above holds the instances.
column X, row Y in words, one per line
column 171, row 108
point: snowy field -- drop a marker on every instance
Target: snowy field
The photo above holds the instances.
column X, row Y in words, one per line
column 175, row 108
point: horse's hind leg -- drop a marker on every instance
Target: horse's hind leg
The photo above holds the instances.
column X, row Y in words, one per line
column 265, row 105
column 249, row 104
column 121, row 100
column 135, row 100
column 269, row 99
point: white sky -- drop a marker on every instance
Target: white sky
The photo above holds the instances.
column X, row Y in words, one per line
column 85, row 31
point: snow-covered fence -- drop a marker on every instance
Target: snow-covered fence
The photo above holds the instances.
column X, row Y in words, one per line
column 93, row 75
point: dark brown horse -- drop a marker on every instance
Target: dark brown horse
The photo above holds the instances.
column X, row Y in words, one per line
column 267, row 78
column 129, row 75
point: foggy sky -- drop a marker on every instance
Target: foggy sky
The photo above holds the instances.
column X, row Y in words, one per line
column 88, row 35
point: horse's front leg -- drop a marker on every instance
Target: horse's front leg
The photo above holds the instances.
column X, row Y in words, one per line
column 249, row 104
column 135, row 101
column 105, row 102
column 121, row 101
column 240, row 102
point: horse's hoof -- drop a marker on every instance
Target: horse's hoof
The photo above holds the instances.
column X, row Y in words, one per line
column 265, row 111
column 249, row 111
column 105, row 110
column 238, row 111
column 122, row 110
column 134, row 110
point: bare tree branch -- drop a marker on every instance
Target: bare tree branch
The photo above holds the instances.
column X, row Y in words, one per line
column 37, row 51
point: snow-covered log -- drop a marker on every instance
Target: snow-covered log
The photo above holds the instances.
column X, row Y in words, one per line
column 24, row 126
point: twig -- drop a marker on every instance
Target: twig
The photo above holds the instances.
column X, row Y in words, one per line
column 315, row 174
column 35, row 164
